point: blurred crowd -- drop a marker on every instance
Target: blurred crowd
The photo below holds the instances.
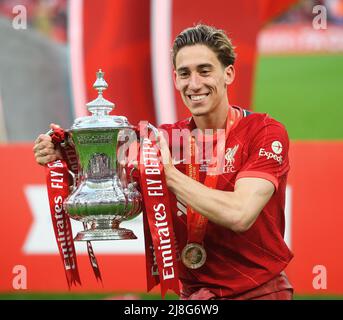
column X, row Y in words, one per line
column 47, row 16
column 303, row 12
column 50, row 16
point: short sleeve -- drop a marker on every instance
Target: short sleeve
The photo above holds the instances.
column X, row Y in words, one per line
column 267, row 153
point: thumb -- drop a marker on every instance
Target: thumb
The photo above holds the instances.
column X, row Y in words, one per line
column 54, row 126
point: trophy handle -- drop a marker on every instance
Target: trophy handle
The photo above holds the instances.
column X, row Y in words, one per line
column 153, row 129
column 73, row 176
column 135, row 166
column 131, row 174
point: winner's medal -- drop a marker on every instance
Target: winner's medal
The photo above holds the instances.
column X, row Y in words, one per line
column 193, row 256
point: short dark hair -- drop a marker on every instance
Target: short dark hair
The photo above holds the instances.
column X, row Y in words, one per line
column 215, row 39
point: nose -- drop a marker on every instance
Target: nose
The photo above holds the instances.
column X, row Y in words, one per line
column 194, row 82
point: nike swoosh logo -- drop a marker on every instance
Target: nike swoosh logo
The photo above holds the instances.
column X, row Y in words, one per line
column 176, row 162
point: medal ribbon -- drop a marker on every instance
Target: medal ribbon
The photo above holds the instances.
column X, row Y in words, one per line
column 59, row 137
column 161, row 261
column 197, row 223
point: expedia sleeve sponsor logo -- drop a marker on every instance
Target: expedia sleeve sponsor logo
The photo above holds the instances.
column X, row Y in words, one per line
column 277, row 149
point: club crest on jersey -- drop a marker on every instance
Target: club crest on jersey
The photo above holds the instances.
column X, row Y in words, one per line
column 230, row 159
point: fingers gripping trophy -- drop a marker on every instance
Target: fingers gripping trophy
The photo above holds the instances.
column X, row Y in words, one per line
column 102, row 196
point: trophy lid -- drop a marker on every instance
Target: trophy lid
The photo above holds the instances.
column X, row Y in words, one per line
column 100, row 109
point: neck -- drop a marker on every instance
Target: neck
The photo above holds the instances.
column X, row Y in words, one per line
column 212, row 121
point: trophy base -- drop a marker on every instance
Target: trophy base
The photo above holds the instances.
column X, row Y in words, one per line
column 105, row 234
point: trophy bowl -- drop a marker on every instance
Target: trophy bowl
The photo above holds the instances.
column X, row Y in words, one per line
column 104, row 193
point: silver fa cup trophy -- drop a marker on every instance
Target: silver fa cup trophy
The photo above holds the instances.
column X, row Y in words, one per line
column 104, row 193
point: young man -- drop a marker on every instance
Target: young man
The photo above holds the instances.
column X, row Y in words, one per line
column 229, row 226
column 237, row 219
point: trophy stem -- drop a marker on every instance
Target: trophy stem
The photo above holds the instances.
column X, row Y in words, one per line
column 105, row 229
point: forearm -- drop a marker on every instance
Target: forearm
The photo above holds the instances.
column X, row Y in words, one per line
column 221, row 207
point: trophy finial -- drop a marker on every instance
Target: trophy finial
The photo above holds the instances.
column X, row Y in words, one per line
column 100, row 84
column 100, row 106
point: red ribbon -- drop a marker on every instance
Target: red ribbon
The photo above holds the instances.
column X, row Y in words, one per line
column 160, row 249
column 93, row 261
column 57, row 174
column 58, row 190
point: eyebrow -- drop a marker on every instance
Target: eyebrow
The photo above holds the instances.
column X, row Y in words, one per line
column 200, row 66
column 205, row 65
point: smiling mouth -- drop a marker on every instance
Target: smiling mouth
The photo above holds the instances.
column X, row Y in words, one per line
column 197, row 97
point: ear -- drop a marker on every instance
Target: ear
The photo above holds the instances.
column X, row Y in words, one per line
column 229, row 74
column 176, row 83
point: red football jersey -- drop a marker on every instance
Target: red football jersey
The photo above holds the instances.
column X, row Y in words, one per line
column 257, row 146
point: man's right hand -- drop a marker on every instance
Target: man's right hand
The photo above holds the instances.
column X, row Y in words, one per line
column 44, row 149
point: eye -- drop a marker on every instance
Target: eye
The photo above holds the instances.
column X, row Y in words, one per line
column 205, row 72
column 183, row 75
